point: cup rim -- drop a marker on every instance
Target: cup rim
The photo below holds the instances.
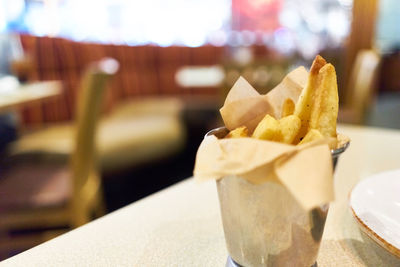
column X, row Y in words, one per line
column 334, row 152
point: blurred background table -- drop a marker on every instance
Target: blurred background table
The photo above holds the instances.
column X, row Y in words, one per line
column 181, row 225
column 27, row 94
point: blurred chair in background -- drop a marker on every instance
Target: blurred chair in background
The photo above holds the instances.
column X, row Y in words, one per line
column 41, row 195
column 142, row 125
column 141, row 128
column 136, row 132
column 361, row 88
column 141, row 131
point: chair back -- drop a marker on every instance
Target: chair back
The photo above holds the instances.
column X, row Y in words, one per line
column 86, row 182
column 362, row 84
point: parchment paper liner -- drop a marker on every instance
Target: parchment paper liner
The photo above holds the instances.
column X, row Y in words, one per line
column 305, row 170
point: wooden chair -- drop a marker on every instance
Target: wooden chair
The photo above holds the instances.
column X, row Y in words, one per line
column 361, row 87
column 34, row 194
column 149, row 129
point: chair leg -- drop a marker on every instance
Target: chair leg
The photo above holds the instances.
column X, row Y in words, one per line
column 83, row 214
column 50, row 234
column 81, row 217
column 99, row 209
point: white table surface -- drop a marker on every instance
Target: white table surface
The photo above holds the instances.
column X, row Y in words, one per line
column 27, row 94
column 181, row 225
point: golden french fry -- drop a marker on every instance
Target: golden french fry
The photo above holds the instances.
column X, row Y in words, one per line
column 305, row 102
column 287, row 108
column 238, row 132
column 313, row 117
column 311, row 135
column 332, row 142
column 267, row 129
column 289, row 128
column 325, row 109
column 314, row 134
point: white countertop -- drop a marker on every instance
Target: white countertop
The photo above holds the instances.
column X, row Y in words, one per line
column 181, row 225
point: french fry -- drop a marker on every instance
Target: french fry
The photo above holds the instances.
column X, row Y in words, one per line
column 267, row 129
column 289, row 128
column 314, row 134
column 238, row 132
column 304, row 104
column 313, row 117
column 311, row 135
column 287, row 108
column 324, row 112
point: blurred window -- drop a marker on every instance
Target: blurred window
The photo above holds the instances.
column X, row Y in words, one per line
column 388, row 26
column 135, row 22
column 287, row 25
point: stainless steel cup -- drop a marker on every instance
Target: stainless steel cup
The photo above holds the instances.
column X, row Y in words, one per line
column 264, row 225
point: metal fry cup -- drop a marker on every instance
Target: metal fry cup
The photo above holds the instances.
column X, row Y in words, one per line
column 264, row 225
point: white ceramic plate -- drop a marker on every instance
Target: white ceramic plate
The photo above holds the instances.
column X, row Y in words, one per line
column 375, row 203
